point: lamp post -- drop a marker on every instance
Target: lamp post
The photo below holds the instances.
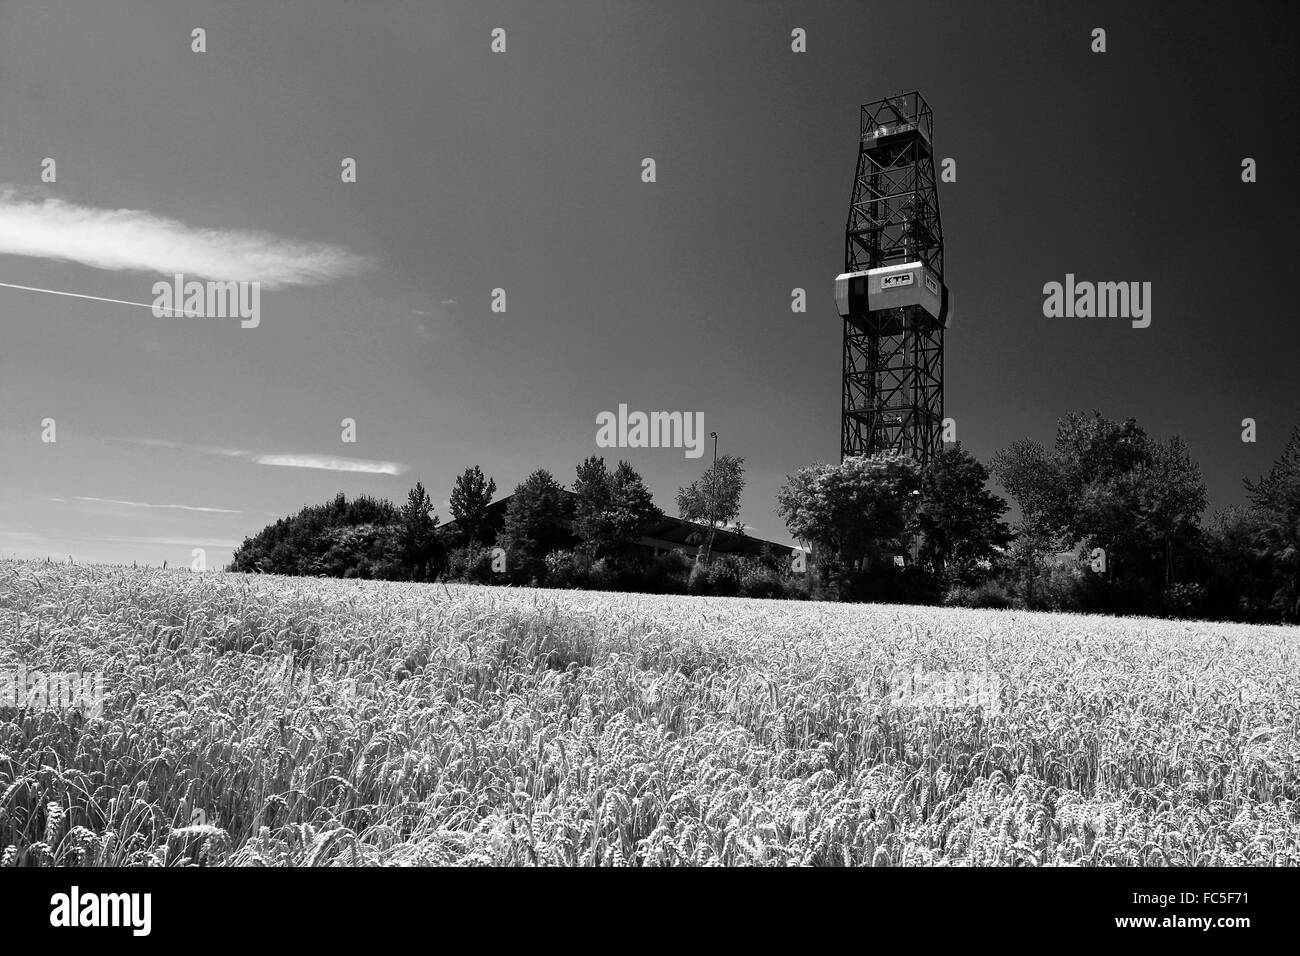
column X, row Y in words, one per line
column 713, row 500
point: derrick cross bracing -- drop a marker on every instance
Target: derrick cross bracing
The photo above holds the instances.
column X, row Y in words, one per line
column 891, row 294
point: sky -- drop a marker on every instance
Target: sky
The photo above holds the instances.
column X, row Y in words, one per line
column 522, row 170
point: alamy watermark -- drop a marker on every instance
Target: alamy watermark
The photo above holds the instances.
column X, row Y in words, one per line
column 651, row 430
column 212, row 299
column 75, row 908
column 946, row 690
column 44, row 690
column 1102, row 300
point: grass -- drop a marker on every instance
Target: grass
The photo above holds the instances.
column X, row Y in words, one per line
column 272, row 721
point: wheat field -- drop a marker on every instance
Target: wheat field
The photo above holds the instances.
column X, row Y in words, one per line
column 267, row 721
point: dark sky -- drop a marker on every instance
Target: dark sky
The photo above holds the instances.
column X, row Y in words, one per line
column 522, row 170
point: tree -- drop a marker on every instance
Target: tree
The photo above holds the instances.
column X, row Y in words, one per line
column 1104, row 470
column 611, row 511
column 714, row 498
column 1238, row 577
column 1170, row 497
column 420, row 547
column 1108, row 485
column 631, row 508
column 363, row 551
column 959, row 518
column 1275, row 507
column 1034, row 479
column 855, row 513
column 534, row 526
column 593, row 494
column 299, row 544
column 470, row 497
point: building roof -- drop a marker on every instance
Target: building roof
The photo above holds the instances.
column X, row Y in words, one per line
column 667, row 533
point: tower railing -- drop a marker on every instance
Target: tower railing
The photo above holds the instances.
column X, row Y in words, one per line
column 896, row 114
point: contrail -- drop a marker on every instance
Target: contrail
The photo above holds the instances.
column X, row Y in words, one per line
column 99, row 298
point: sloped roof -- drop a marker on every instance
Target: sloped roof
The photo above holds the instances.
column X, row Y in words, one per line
column 669, row 532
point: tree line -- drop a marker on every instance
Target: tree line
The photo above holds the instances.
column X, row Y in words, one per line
column 1111, row 520
column 584, row 536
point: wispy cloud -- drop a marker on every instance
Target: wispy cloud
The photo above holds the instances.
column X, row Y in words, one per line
column 145, row 504
column 292, row 460
column 141, row 241
column 332, row 463
column 185, row 446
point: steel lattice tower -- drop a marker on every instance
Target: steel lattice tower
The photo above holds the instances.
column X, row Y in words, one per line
column 892, row 294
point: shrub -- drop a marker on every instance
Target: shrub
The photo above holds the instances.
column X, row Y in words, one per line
column 326, row 539
column 1185, row 599
column 471, row 563
column 890, row 584
column 987, row 594
column 1071, row 587
column 758, row 581
column 668, row 573
column 720, row 577
column 567, row 569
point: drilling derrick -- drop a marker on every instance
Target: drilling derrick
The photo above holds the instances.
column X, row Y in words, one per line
column 891, row 294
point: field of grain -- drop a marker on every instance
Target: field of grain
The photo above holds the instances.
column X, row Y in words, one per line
column 257, row 720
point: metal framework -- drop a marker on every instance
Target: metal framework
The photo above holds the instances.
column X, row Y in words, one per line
column 892, row 397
